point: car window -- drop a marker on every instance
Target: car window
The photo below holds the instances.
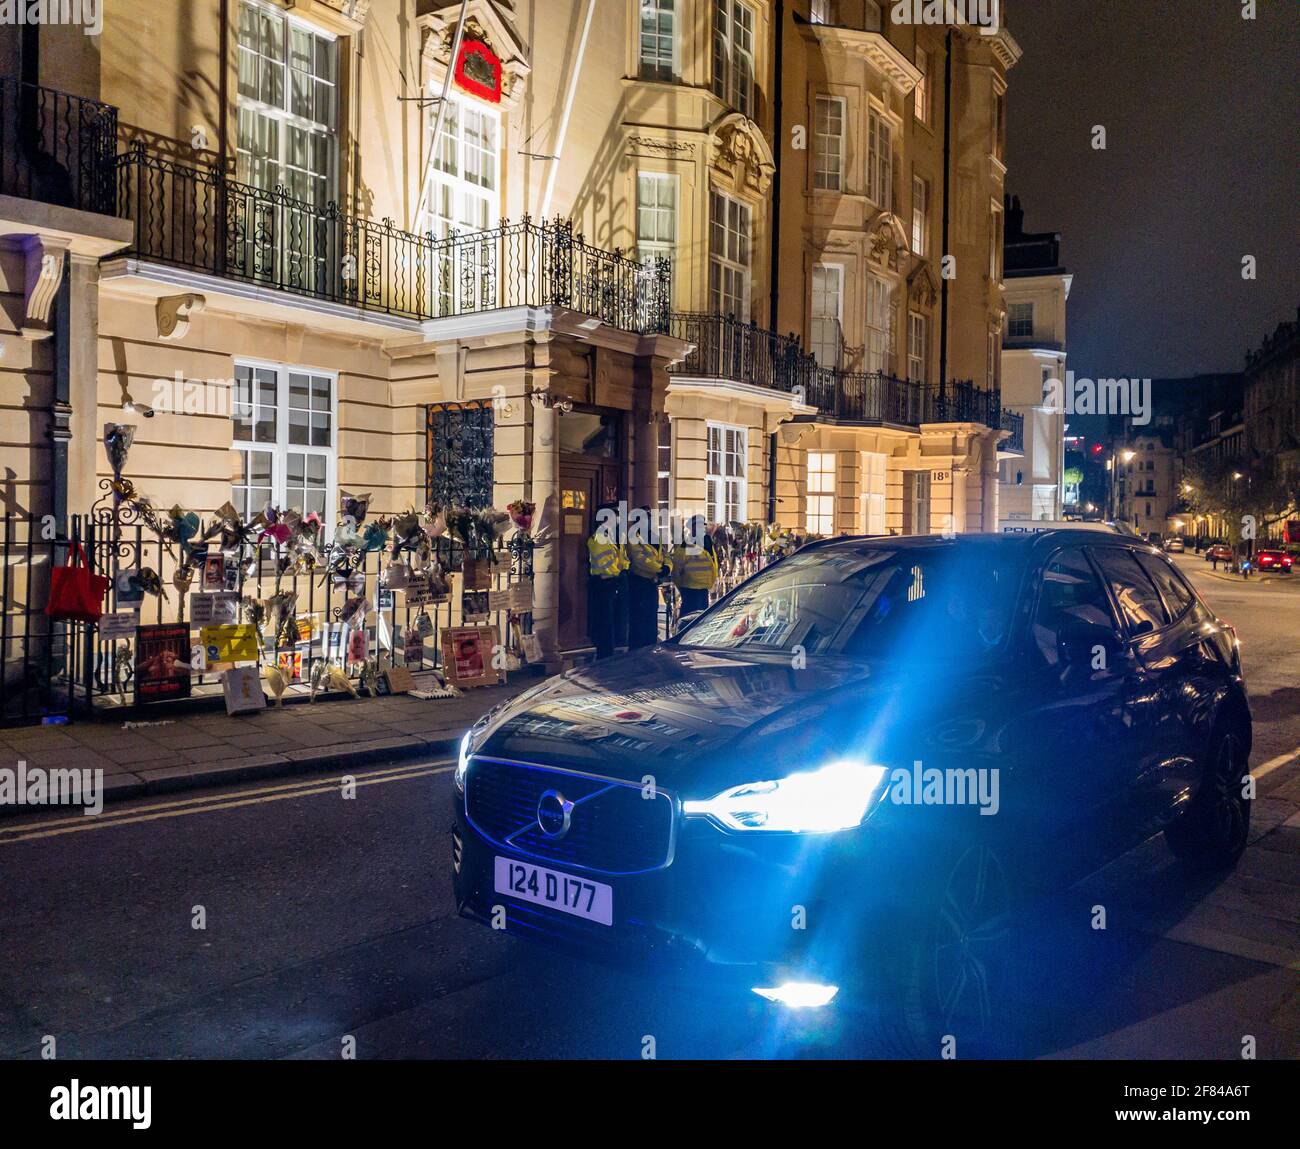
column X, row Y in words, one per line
column 918, row 602
column 1176, row 594
column 1138, row 599
column 1071, row 592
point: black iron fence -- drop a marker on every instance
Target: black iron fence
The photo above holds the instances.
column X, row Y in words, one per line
column 298, row 613
column 56, row 148
column 46, row 662
column 1015, row 423
column 199, row 218
column 870, row 397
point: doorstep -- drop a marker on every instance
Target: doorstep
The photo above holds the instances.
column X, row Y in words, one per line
column 193, row 751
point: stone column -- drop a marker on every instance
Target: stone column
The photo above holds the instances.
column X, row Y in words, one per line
column 546, row 559
column 83, row 376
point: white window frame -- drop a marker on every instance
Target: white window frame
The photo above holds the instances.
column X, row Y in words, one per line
column 918, row 346
column 828, row 146
column 281, row 114
column 733, row 54
column 725, row 490
column 1016, row 323
column 281, row 448
column 731, row 253
column 822, row 12
column 651, row 63
column 920, row 216
column 463, row 192
column 819, row 516
column 880, row 159
column 879, row 343
column 874, row 481
column 822, row 332
column 921, row 93
column 654, row 246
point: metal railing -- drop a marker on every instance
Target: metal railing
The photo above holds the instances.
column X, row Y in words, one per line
column 56, row 148
column 728, row 348
column 1015, row 423
column 199, row 218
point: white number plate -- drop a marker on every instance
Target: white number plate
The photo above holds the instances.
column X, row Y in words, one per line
column 577, row 896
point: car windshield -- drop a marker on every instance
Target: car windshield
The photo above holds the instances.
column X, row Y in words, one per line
column 914, row 601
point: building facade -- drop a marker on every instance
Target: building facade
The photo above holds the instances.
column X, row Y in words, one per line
column 1034, row 370
column 480, row 253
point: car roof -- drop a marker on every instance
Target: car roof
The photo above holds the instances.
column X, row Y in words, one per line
column 1018, row 544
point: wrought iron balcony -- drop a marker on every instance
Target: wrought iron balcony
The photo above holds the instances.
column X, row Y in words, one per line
column 56, row 148
column 727, row 348
column 198, row 218
column 1014, row 423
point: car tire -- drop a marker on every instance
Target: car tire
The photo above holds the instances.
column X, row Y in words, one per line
column 1212, row 834
column 946, row 976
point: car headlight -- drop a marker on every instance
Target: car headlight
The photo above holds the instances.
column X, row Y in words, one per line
column 836, row 797
column 462, row 763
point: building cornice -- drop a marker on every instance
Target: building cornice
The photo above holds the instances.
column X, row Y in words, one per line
column 872, row 47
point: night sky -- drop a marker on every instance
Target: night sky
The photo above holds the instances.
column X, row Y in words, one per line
column 1201, row 168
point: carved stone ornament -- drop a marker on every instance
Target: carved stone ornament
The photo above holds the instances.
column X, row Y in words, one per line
column 173, row 313
column 740, row 150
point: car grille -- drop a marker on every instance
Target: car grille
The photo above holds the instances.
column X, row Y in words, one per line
column 613, row 830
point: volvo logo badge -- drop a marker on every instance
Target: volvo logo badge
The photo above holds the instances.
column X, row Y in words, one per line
column 554, row 812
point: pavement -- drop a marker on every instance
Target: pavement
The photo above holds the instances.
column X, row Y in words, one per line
column 158, row 754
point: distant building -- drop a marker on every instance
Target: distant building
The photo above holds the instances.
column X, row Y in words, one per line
column 1148, row 485
column 1272, row 398
column 1033, row 356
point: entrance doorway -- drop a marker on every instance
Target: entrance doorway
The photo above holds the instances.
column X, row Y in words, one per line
column 592, row 471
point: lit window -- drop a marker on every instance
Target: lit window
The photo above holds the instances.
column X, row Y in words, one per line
column 917, row 340
column 726, row 470
column 827, row 308
column 1020, row 320
column 828, row 143
column 878, row 341
column 656, row 215
column 880, row 161
column 733, row 54
column 729, row 256
column 463, row 182
column 658, row 40
column 920, row 217
column 921, row 93
column 664, row 463
column 283, row 439
column 821, row 493
column 822, row 12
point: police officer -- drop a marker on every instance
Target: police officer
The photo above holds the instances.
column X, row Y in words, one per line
column 648, row 562
column 606, row 582
column 695, row 567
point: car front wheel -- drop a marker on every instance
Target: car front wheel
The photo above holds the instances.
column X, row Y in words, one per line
column 1212, row 834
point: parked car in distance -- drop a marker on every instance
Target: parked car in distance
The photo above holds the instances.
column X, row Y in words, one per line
column 1274, row 560
column 1220, row 552
column 1174, row 546
column 1066, row 693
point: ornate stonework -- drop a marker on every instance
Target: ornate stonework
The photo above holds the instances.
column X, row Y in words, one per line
column 741, row 154
column 923, row 290
column 889, row 242
column 668, row 147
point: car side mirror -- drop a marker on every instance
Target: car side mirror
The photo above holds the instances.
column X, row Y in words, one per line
column 1079, row 638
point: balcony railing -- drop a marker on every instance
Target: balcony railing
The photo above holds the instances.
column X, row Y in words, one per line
column 200, row 219
column 56, row 148
column 727, row 348
column 1014, row 423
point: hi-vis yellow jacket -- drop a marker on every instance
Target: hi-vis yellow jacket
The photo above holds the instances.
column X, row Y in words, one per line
column 694, row 571
column 608, row 560
column 647, row 560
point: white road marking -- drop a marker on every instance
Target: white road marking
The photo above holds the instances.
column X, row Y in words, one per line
column 1266, row 768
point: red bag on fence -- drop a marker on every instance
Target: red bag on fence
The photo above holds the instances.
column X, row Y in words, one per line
column 76, row 595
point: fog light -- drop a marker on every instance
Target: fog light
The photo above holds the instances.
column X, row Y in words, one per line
column 799, row 994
